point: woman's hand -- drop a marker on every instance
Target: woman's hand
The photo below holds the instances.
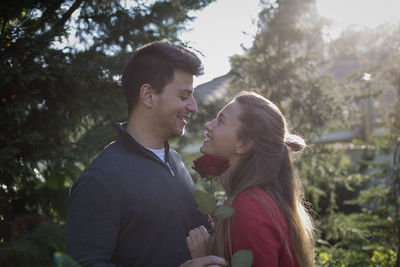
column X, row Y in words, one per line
column 198, row 242
column 210, row 261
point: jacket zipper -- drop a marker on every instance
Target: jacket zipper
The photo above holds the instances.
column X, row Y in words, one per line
column 166, row 164
column 170, row 169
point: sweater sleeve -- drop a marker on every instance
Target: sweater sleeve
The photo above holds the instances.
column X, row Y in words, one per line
column 254, row 228
column 93, row 220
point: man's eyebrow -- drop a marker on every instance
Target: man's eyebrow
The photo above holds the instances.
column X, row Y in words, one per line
column 186, row 91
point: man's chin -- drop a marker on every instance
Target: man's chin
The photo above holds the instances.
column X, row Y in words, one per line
column 178, row 133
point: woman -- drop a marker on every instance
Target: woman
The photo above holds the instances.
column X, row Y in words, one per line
column 270, row 218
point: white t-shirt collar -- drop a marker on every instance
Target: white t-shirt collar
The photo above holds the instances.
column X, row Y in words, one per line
column 159, row 153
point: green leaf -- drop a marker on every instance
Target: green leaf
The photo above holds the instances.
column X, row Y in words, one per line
column 205, row 201
column 55, row 181
column 63, row 260
column 242, row 258
column 224, row 212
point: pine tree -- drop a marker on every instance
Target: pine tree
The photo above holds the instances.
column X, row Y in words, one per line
column 285, row 62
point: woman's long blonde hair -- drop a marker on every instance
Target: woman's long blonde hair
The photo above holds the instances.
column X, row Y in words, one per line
column 268, row 165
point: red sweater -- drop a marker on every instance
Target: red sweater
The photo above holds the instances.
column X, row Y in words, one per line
column 259, row 225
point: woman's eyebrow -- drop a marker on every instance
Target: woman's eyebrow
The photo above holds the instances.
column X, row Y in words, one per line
column 221, row 116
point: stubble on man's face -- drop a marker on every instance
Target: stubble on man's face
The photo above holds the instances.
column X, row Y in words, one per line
column 174, row 105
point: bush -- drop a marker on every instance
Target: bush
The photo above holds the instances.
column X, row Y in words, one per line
column 34, row 248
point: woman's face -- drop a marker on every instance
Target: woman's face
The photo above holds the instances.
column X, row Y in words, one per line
column 221, row 139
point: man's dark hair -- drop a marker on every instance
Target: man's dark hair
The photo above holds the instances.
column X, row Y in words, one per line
column 155, row 64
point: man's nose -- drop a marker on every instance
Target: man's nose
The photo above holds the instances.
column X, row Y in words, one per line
column 192, row 107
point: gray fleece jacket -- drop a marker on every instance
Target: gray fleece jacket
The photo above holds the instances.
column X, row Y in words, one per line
column 128, row 208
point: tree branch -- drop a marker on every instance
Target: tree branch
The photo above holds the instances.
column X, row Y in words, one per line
column 68, row 14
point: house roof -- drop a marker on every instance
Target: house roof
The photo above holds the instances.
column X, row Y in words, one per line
column 212, row 90
column 218, row 87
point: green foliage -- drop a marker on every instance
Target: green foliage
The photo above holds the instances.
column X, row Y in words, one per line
column 205, row 201
column 63, row 260
column 369, row 235
column 224, row 212
column 381, row 256
column 327, row 182
column 242, row 258
column 283, row 64
column 34, row 248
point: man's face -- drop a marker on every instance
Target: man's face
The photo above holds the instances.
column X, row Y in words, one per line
column 174, row 105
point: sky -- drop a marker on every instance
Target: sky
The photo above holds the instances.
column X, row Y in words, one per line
column 221, row 28
column 218, row 33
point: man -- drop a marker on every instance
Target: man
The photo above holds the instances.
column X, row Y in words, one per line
column 134, row 205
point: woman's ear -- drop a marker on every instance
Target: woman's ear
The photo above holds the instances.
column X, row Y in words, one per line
column 146, row 95
column 244, row 147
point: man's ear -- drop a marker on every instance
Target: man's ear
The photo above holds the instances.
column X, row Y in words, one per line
column 244, row 147
column 146, row 95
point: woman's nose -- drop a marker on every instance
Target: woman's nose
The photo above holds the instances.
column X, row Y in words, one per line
column 208, row 125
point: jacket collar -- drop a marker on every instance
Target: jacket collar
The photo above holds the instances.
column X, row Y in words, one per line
column 127, row 139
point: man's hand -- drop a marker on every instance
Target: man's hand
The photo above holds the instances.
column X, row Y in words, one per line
column 198, row 242
column 210, row 261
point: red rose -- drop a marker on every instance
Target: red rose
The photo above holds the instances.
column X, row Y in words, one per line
column 210, row 165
